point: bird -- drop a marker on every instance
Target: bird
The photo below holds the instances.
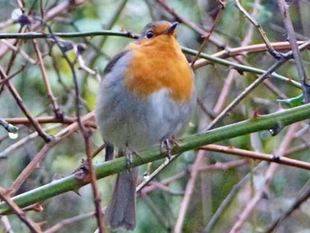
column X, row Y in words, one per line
column 146, row 97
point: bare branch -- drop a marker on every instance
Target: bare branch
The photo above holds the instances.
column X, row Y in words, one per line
column 33, row 227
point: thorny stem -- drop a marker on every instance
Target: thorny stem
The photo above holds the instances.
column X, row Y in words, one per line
column 69, row 183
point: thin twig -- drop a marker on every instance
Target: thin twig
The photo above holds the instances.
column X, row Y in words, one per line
column 244, row 68
column 69, row 221
column 33, row 227
column 270, row 49
column 46, row 120
column 205, row 109
column 205, row 168
column 232, row 73
column 39, row 157
column 50, row 95
column 86, row 136
column 108, row 27
column 190, row 24
column 252, row 86
column 60, row 8
column 18, row 49
column 297, row 203
column 7, row 126
column 156, row 172
column 6, row 23
column 245, row 214
column 255, row 48
column 283, row 6
column 38, row 35
column 297, row 149
column 188, row 192
column 207, row 37
column 97, row 199
column 156, row 212
column 257, row 155
column 9, row 150
column 21, row 105
column 2, row 81
column 6, row 224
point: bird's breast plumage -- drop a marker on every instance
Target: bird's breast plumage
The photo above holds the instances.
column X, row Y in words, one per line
column 159, row 64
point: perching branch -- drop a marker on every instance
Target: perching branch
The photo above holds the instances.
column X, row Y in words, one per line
column 70, row 183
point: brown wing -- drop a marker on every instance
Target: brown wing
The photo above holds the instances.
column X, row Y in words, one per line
column 111, row 64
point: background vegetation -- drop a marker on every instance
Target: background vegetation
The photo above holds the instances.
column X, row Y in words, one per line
column 202, row 190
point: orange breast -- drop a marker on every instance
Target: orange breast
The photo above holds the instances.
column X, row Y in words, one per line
column 158, row 64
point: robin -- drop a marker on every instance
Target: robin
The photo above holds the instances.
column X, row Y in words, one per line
column 146, row 97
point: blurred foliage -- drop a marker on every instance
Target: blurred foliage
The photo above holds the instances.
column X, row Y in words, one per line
column 157, row 211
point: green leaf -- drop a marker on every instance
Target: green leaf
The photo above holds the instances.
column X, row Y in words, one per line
column 293, row 102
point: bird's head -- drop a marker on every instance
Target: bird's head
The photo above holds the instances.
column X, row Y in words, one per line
column 158, row 29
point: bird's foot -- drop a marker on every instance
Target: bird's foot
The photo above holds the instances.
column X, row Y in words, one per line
column 129, row 153
column 167, row 144
column 128, row 157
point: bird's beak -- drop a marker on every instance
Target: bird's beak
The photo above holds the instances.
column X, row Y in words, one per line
column 172, row 28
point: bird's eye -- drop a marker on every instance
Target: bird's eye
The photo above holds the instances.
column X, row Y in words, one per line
column 149, row 34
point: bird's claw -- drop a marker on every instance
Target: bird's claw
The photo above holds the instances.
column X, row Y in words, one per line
column 167, row 144
column 128, row 156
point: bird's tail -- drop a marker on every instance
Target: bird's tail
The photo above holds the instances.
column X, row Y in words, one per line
column 121, row 213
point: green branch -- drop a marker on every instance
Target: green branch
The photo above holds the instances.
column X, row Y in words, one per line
column 272, row 121
column 40, row 35
column 240, row 67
